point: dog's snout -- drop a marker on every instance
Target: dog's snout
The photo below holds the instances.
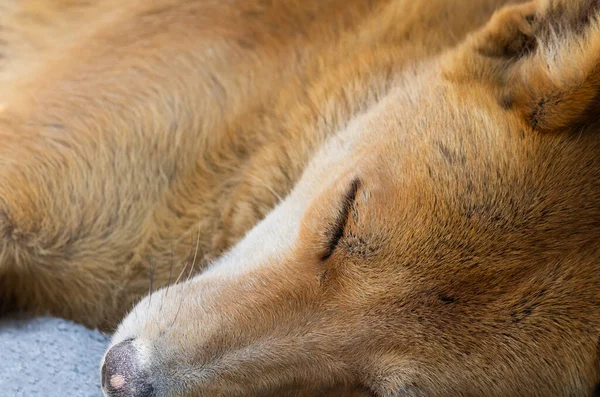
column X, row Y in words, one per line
column 122, row 373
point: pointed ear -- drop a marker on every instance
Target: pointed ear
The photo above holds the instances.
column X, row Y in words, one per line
column 542, row 59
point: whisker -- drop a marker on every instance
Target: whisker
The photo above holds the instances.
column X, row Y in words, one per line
column 187, row 262
column 152, row 269
column 182, row 292
column 195, row 255
column 266, row 186
column 170, row 270
column 178, row 309
column 185, row 289
column 162, row 302
column 257, row 179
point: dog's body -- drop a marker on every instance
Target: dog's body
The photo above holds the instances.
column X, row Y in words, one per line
column 432, row 201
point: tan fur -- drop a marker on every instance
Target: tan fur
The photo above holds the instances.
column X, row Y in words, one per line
column 452, row 156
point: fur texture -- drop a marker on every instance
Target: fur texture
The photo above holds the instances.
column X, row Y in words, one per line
column 397, row 198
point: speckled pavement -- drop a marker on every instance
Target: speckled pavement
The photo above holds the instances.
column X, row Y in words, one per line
column 49, row 357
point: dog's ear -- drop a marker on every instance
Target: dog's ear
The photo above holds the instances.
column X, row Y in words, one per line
column 542, row 59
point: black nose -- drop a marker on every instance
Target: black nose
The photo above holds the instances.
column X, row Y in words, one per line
column 122, row 375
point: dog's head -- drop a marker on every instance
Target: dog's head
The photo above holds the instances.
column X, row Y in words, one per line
column 443, row 244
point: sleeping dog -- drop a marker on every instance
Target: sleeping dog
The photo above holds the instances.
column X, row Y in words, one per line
column 388, row 198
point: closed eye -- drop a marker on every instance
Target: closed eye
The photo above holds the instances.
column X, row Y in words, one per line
column 336, row 231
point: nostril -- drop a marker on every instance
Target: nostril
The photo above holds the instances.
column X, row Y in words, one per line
column 122, row 373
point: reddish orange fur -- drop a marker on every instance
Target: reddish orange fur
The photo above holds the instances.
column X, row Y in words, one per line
column 469, row 263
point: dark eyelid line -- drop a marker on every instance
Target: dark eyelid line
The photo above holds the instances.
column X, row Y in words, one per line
column 342, row 219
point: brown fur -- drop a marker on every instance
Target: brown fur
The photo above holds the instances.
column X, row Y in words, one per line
column 453, row 251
